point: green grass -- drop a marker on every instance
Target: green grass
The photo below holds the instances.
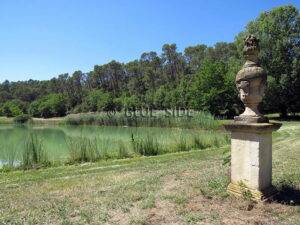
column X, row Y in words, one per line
column 84, row 149
column 199, row 119
column 34, row 155
column 187, row 187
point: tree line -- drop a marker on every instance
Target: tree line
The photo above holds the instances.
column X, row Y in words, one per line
column 201, row 77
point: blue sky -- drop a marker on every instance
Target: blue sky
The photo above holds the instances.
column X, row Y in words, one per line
column 40, row 39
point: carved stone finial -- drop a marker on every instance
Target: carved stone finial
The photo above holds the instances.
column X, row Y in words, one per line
column 251, row 83
column 251, row 48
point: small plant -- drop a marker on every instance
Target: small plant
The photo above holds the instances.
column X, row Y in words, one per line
column 122, row 151
column 34, row 155
column 182, row 145
column 246, row 193
column 21, row 119
column 10, row 156
column 146, row 147
column 198, row 143
column 83, row 149
column 226, row 156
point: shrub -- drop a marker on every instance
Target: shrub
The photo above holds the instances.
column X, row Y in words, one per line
column 21, row 119
column 98, row 100
column 12, row 108
column 49, row 106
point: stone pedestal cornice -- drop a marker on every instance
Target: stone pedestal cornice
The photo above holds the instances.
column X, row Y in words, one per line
column 252, row 127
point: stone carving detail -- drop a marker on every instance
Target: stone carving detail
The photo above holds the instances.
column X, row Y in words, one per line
column 251, row 82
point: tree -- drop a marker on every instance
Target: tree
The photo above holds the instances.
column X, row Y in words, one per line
column 98, row 100
column 151, row 66
column 49, row 106
column 75, row 88
column 174, row 64
column 194, row 56
column 12, row 108
column 208, row 87
column 222, row 52
column 279, row 34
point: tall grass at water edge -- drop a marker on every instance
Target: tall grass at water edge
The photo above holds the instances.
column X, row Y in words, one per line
column 34, row 154
column 83, row 149
column 196, row 119
column 91, row 149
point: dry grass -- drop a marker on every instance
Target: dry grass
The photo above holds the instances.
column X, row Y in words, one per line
column 179, row 188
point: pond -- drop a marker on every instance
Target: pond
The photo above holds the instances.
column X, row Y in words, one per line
column 56, row 139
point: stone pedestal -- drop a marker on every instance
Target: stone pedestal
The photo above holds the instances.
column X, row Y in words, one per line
column 251, row 159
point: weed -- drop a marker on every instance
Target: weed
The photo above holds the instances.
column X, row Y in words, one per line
column 246, row 193
column 149, row 202
column 34, row 155
column 123, row 151
column 83, row 149
column 194, row 217
column 146, row 147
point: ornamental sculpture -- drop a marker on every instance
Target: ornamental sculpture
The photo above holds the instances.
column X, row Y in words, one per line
column 251, row 132
column 251, row 82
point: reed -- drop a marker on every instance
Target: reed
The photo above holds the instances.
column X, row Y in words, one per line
column 123, row 151
column 82, row 149
column 34, row 155
column 147, row 146
column 199, row 119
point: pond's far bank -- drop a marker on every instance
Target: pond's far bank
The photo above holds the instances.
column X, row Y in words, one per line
column 48, row 121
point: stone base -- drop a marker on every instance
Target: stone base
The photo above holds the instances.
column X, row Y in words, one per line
column 251, row 159
column 251, row 119
column 256, row 195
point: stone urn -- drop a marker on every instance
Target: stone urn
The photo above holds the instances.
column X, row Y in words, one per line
column 251, row 132
column 251, row 83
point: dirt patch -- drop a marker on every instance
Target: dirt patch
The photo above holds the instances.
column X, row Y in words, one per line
column 237, row 211
column 163, row 213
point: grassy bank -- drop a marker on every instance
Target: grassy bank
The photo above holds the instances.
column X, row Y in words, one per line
column 178, row 188
column 37, row 121
column 6, row 120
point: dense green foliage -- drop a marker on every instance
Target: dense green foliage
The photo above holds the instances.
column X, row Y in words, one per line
column 279, row 34
column 49, row 106
column 200, row 78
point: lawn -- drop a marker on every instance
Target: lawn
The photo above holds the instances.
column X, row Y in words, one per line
column 179, row 188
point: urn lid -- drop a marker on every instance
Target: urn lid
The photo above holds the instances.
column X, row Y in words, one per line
column 251, row 68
